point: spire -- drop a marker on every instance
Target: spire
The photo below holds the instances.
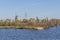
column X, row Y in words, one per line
column 25, row 15
column 16, row 17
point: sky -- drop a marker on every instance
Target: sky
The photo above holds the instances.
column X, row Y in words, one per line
column 41, row 8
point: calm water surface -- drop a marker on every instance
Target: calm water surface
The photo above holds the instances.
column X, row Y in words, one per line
column 20, row 34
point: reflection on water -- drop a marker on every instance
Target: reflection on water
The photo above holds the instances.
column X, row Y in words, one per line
column 21, row 34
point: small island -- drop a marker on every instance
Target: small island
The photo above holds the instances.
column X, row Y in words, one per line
column 32, row 23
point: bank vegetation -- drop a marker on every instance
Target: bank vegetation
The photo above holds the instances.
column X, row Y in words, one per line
column 31, row 23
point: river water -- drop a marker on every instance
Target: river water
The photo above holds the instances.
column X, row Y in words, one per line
column 22, row 34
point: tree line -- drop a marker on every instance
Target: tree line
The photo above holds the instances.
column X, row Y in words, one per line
column 46, row 23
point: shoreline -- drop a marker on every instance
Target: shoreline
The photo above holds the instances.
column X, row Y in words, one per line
column 27, row 27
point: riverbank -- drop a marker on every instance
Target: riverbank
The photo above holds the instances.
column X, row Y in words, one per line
column 25, row 27
column 31, row 23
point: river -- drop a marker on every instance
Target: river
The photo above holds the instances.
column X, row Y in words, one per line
column 23, row 34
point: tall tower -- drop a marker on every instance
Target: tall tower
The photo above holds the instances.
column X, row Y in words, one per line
column 25, row 15
column 16, row 18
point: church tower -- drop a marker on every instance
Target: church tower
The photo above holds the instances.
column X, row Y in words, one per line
column 16, row 18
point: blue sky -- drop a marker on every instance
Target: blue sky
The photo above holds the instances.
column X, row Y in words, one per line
column 33, row 8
